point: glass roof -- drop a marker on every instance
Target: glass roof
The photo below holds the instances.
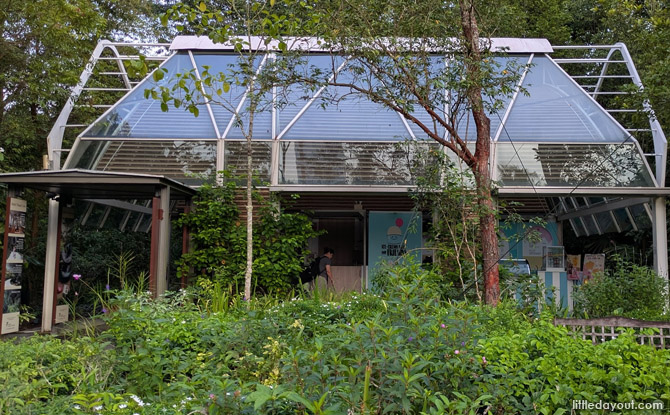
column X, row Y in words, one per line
column 554, row 133
column 137, row 117
column 552, row 107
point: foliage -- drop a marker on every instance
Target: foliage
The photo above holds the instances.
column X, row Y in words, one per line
column 542, row 369
column 626, row 289
column 445, row 189
column 280, row 241
column 95, row 251
column 400, row 352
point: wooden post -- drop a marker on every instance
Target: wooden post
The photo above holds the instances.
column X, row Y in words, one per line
column 162, row 259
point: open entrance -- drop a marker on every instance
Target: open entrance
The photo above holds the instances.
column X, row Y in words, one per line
column 345, row 233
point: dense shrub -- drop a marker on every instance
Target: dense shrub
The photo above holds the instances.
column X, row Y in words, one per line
column 403, row 351
column 219, row 238
column 627, row 289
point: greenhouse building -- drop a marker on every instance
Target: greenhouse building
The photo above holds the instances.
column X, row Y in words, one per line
column 563, row 145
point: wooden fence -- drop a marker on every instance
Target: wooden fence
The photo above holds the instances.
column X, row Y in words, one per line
column 655, row 333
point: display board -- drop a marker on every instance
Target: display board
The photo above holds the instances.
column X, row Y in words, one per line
column 12, row 264
column 391, row 235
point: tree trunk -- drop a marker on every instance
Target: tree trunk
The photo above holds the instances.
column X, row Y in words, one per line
column 250, row 217
column 487, row 220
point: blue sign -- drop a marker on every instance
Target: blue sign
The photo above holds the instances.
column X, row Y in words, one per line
column 391, row 235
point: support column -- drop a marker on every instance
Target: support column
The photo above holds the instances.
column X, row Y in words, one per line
column 50, row 265
column 660, row 230
column 186, row 238
column 163, row 241
column 155, row 236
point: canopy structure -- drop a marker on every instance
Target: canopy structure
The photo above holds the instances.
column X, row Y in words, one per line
column 110, row 188
column 551, row 137
column 559, row 140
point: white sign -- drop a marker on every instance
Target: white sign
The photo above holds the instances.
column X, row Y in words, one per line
column 62, row 313
column 10, row 323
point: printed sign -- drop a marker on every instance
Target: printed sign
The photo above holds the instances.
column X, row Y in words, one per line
column 10, row 323
column 62, row 313
column 537, row 240
column 391, row 235
column 593, row 263
column 16, row 224
column 13, row 264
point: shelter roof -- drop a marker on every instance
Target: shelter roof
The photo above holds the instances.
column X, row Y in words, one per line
column 89, row 184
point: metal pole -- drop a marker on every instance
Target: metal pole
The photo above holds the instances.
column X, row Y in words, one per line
column 50, row 259
column 660, row 237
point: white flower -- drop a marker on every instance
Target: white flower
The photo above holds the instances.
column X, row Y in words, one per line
column 77, row 407
column 123, row 406
column 97, row 408
column 137, row 399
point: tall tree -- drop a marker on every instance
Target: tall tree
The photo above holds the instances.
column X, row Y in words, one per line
column 428, row 62
column 425, row 60
column 243, row 88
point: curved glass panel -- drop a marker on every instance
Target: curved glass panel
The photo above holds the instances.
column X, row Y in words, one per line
column 546, row 164
column 495, row 101
column 555, row 108
column 137, row 117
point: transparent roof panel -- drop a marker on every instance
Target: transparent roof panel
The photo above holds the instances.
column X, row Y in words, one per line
column 341, row 114
column 547, row 164
column 135, row 116
column 496, row 106
column 262, row 122
column 554, row 108
column 293, row 98
column 225, row 104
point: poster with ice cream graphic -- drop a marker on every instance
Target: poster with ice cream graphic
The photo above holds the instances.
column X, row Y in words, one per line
column 391, row 235
column 593, row 264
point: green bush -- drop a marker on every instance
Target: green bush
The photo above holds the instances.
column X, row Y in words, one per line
column 628, row 289
column 219, row 238
column 402, row 351
column 542, row 369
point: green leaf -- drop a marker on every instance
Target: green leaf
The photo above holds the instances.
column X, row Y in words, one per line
column 158, row 75
column 202, row 6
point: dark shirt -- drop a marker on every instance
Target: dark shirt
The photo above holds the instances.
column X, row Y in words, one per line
column 322, row 266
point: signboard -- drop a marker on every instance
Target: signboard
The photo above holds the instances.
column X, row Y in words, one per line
column 13, row 264
column 593, row 263
column 62, row 313
column 391, row 235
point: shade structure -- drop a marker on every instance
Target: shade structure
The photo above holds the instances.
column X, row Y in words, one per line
column 89, row 184
column 549, row 132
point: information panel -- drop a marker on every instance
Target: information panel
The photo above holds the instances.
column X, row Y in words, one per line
column 391, row 235
column 13, row 264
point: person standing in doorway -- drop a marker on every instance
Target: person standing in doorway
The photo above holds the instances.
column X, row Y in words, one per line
column 325, row 278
